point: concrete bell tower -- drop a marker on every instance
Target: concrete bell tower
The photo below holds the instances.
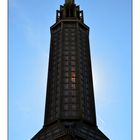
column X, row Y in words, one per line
column 70, row 107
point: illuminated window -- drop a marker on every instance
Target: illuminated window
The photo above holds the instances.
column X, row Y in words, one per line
column 73, row 77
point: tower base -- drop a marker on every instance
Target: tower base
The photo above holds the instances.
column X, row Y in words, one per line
column 75, row 131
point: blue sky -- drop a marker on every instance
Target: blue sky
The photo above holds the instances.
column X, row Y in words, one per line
column 110, row 44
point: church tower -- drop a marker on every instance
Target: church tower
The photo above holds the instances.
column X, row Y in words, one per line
column 70, row 108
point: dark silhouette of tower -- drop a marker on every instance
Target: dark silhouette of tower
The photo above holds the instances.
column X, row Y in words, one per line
column 70, row 108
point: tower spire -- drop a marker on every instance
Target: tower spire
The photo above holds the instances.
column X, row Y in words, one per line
column 69, row 1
